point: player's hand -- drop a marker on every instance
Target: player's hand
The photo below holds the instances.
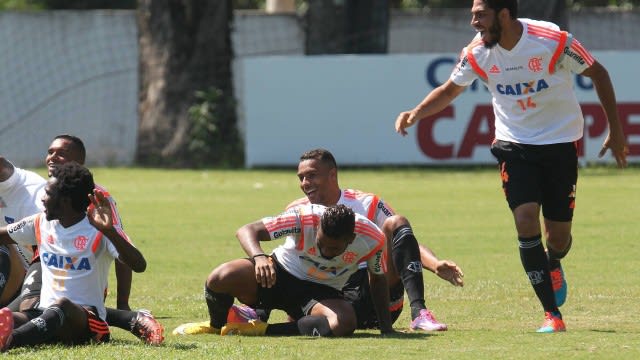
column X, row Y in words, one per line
column 619, row 148
column 449, row 271
column 265, row 271
column 99, row 213
column 405, row 120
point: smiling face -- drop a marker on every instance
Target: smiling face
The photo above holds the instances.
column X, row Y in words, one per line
column 318, row 181
column 52, row 199
column 485, row 21
column 61, row 151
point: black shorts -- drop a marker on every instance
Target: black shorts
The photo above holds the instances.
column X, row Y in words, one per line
column 545, row 174
column 292, row 295
column 358, row 293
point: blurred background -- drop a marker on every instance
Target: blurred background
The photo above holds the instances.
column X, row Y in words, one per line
column 253, row 83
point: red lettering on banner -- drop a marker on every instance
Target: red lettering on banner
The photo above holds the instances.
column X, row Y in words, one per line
column 474, row 136
column 426, row 141
column 483, row 117
column 600, row 126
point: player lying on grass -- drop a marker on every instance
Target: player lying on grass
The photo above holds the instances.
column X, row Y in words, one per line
column 77, row 249
column 304, row 276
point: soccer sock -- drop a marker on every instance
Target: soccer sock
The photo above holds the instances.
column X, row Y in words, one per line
column 556, row 256
column 40, row 329
column 5, row 267
column 309, row 325
column 263, row 314
column 535, row 263
column 218, row 306
column 406, row 258
column 123, row 319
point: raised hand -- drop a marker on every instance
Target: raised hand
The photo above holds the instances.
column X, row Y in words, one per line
column 99, row 212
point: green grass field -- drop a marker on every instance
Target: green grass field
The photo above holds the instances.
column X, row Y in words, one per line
column 184, row 222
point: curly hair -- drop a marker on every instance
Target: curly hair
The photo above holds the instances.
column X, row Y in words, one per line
column 74, row 181
column 338, row 221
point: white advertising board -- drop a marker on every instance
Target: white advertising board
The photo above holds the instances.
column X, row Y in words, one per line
column 348, row 104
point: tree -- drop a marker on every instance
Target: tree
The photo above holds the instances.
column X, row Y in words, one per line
column 185, row 52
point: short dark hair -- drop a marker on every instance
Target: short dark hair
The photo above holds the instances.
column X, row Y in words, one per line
column 510, row 5
column 77, row 144
column 338, row 221
column 76, row 182
column 321, row 155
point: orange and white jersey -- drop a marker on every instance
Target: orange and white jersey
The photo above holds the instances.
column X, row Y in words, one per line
column 21, row 196
column 366, row 204
column 75, row 260
column 531, row 84
column 301, row 258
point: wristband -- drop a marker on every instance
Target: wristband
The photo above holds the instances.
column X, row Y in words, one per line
column 261, row 254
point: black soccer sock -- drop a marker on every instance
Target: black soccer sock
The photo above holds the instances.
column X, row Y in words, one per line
column 406, row 258
column 309, row 325
column 5, row 267
column 123, row 319
column 535, row 263
column 40, row 329
column 218, row 306
column 263, row 314
column 556, row 256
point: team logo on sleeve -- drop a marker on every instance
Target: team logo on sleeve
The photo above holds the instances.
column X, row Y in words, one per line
column 575, row 56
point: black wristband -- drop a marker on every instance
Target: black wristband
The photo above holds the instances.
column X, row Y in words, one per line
column 261, row 254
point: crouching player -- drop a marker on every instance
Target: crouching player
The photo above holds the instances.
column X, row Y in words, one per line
column 77, row 249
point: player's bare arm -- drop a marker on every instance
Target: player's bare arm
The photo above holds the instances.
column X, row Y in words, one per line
column 436, row 101
column 250, row 236
column 380, row 296
column 445, row 269
column 101, row 218
column 615, row 140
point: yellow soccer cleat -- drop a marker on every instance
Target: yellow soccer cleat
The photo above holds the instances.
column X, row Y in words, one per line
column 195, row 328
column 251, row 328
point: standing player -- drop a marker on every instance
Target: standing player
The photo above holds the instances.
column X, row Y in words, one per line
column 69, row 148
column 77, row 249
column 527, row 66
column 304, row 276
column 20, row 194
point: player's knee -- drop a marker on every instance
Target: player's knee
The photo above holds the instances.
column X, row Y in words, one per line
column 394, row 222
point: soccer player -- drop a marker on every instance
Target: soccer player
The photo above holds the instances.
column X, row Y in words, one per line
column 528, row 67
column 318, row 176
column 63, row 149
column 20, row 194
column 304, row 276
column 77, row 249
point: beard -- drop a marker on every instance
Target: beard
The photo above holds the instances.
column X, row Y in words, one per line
column 494, row 34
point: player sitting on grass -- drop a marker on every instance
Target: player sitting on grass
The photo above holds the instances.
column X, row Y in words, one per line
column 77, row 249
column 304, row 276
column 318, row 175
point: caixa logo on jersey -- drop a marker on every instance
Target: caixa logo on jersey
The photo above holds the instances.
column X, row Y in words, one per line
column 65, row 262
column 439, row 69
column 281, row 233
column 524, row 88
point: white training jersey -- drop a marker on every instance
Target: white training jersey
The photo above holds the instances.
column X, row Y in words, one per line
column 531, row 84
column 21, row 196
column 75, row 260
column 366, row 204
column 300, row 257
